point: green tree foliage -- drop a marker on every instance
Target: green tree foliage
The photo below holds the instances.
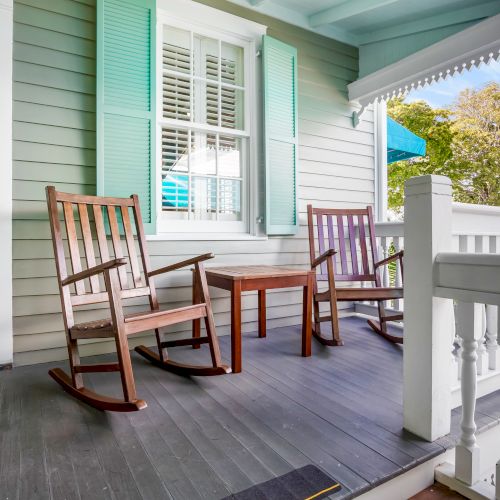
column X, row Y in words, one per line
column 476, row 145
column 463, row 143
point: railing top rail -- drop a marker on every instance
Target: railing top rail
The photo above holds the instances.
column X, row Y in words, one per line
column 396, row 228
column 468, row 277
column 474, row 209
column 469, row 259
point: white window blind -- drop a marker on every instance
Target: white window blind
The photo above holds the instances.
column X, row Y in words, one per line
column 204, row 138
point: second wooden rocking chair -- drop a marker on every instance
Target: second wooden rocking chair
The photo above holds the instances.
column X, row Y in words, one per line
column 352, row 257
column 84, row 287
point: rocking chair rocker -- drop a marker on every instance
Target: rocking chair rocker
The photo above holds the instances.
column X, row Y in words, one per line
column 344, row 271
column 116, row 289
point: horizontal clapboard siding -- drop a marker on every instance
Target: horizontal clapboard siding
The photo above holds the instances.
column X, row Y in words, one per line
column 54, row 143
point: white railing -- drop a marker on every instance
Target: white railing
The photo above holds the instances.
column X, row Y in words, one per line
column 471, row 280
column 435, row 278
column 475, row 229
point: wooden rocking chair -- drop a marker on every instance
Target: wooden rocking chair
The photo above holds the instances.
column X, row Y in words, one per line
column 331, row 225
column 116, row 289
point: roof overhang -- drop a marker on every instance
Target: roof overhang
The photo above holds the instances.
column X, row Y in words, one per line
column 471, row 47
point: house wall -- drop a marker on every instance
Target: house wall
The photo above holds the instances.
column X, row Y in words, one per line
column 54, row 143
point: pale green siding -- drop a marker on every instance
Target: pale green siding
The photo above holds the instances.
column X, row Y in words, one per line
column 54, row 143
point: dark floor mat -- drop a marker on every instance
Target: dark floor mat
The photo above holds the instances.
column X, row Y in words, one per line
column 306, row 483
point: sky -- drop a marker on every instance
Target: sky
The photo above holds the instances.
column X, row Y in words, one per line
column 443, row 93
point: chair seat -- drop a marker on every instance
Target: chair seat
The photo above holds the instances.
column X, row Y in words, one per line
column 136, row 322
column 348, row 294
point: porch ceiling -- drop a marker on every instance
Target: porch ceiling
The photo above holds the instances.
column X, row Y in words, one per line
column 360, row 22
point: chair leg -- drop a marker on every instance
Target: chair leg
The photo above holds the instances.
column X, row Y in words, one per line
column 380, row 326
column 336, row 340
column 74, row 386
column 217, row 367
column 196, row 300
column 74, row 359
column 317, row 322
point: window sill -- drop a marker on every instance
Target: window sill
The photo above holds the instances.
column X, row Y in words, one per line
column 205, row 237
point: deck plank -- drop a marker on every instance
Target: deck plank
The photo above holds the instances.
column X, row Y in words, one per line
column 206, row 438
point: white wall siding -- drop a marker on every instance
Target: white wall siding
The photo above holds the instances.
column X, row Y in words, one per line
column 54, row 143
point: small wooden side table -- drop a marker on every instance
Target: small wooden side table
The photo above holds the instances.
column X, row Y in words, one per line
column 238, row 279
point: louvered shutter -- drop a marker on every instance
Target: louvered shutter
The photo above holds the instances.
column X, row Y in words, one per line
column 126, row 102
column 281, row 136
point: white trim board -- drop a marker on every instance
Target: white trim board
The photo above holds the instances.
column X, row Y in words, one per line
column 471, row 47
column 6, row 36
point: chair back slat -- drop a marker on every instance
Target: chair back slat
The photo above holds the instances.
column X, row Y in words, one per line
column 342, row 246
column 146, row 265
column 101, row 233
column 362, row 240
column 321, row 241
column 117, row 244
column 103, row 219
column 129, row 238
column 352, row 243
column 373, row 245
column 347, row 234
column 74, row 251
column 88, row 244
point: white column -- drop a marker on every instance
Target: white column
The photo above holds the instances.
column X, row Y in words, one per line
column 428, row 330
column 6, row 35
column 380, row 125
column 467, row 452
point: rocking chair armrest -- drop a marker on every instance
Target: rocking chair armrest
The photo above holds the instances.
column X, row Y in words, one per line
column 179, row 265
column 397, row 255
column 329, row 253
column 92, row 271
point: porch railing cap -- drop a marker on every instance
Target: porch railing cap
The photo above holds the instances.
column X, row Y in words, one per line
column 427, row 184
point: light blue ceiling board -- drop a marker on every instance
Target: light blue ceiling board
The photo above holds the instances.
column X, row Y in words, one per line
column 403, row 11
column 347, row 10
column 375, row 56
column 475, row 13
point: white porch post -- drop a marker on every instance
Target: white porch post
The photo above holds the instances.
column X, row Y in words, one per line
column 428, row 319
column 380, row 160
column 6, row 35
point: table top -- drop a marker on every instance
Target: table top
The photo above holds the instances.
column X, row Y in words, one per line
column 255, row 272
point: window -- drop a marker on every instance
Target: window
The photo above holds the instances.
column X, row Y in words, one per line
column 207, row 144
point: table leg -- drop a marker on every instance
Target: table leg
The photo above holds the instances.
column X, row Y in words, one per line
column 307, row 317
column 236, row 326
column 196, row 300
column 262, row 313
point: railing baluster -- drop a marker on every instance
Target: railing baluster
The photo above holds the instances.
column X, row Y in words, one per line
column 455, row 354
column 492, row 337
column 467, row 452
column 384, row 252
column 497, row 481
column 398, row 282
column 482, row 353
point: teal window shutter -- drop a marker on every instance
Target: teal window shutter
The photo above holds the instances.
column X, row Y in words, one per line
column 281, row 135
column 126, row 123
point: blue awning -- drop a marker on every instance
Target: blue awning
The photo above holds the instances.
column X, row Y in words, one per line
column 401, row 143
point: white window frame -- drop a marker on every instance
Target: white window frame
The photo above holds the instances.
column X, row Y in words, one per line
column 210, row 22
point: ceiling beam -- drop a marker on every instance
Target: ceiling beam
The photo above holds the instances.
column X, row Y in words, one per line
column 296, row 18
column 474, row 13
column 345, row 10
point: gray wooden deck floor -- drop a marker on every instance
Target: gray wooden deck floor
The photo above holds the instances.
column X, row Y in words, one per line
column 210, row 437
